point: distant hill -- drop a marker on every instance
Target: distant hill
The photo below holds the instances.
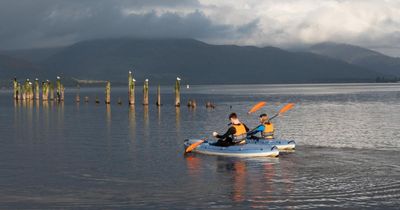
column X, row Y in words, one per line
column 161, row 60
column 362, row 57
column 11, row 67
column 33, row 55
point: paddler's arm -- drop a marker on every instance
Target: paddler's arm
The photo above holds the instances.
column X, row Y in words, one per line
column 228, row 133
column 259, row 128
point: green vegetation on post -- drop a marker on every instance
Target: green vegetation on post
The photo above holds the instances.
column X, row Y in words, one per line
column 37, row 89
column 15, row 86
column 45, row 91
column 58, row 87
column 51, row 91
column 19, row 94
column 131, row 89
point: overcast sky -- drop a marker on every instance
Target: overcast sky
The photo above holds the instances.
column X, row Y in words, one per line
column 283, row 23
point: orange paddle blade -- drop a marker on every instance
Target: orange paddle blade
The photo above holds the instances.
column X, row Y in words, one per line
column 286, row 108
column 257, row 107
column 193, row 146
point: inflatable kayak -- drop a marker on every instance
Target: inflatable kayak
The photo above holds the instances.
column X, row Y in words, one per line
column 280, row 144
column 243, row 150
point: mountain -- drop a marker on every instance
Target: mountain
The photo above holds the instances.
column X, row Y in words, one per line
column 198, row 62
column 161, row 60
column 33, row 55
column 11, row 67
column 359, row 56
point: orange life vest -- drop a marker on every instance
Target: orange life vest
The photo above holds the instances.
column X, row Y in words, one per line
column 241, row 132
column 268, row 130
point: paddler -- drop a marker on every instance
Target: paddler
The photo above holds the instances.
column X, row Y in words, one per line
column 266, row 129
column 236, row 133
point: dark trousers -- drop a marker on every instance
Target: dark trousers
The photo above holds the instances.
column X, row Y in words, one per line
column 223, row 142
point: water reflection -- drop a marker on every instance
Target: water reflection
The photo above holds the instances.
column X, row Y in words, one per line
column 132, row 123
column 46, row 117
column 159, row 115
column 60, row 119
column 108, row 117
column 178, row 124
column 178, row 118
column 239, row 180
column 146, row 122
column 193, row 164
column 253, row 180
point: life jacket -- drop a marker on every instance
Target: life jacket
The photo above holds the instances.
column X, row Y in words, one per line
column 268, row 131
column 240, row 134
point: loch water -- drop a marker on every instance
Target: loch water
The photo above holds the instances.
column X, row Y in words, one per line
column 93, row 156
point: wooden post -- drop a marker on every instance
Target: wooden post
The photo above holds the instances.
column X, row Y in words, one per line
column 158, row 103
column 19, row 94
column 25, row 90
column 62, row 92
column 131, row 89
column 77, row 98
column 30, row 91
column 108, row 92
column 210, row 105
column 178, row 92
column 37, row 89
column 45, row 90
column 23, row 94
column 58, row 88
column 51, row 89
column 15, row 85
column 146, row 92
column 31, row 88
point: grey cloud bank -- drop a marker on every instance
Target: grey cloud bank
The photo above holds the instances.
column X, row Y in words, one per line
column 285, row 23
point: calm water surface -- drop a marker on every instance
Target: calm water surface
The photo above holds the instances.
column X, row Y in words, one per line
column 82, row 156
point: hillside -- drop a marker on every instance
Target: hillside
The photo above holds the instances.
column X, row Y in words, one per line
column 197, row 62
column 161, row 60
column 362, row 57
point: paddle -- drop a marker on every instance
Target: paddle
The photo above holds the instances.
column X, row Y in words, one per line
column 193, row 146
column 284, row 109
column 257, row 107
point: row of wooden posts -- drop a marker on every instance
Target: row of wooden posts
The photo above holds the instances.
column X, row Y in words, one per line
column 30, row 91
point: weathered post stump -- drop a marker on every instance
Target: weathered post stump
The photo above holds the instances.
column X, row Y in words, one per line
column 146, row 92
column 108, row 93
column 37, row 89
column 15, row 89
column 178, row 92
column 131, row 89
column 158, row 103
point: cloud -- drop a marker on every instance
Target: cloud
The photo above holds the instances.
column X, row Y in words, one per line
column 284, row 23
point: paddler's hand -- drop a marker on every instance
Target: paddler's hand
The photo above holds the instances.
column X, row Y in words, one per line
column 215, row 134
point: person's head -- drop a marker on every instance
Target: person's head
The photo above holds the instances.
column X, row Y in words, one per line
column 233, row 118
column 263, row 118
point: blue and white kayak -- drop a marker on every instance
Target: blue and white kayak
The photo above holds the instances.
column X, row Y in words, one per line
column 242, row 150
column 282, row 145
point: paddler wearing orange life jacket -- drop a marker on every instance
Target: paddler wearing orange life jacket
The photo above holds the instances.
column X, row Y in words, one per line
column 236, row 134
column 266, row 129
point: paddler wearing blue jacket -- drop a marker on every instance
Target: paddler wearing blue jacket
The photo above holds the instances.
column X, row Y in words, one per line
column 236, row 134
column 266, row 129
